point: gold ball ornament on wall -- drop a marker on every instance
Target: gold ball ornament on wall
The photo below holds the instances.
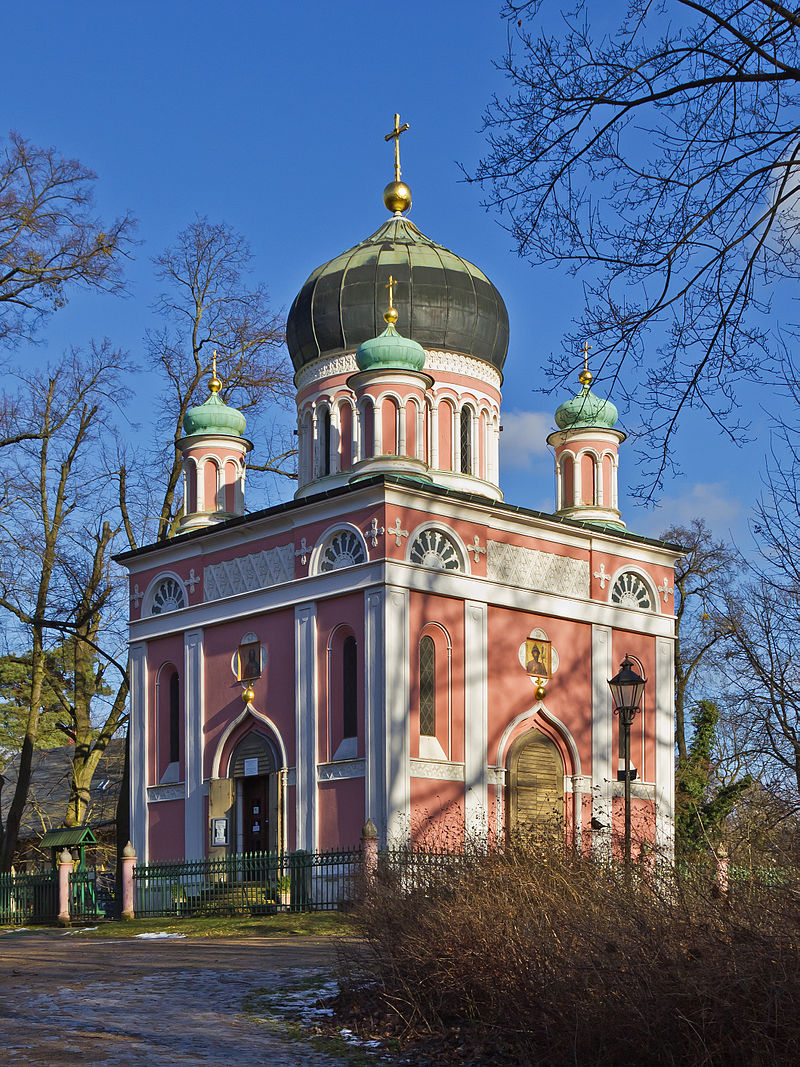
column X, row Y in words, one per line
column 248, row 694
column 397, row 196
column 541, row 692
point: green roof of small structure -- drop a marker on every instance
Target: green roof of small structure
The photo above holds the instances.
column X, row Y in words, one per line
column 214, row 417
column 68, row 837
column 586, row 410
column 390, row 351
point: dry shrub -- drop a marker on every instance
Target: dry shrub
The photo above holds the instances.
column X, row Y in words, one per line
column 545, row 956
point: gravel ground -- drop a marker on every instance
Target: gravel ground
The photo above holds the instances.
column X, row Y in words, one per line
column 67, row 998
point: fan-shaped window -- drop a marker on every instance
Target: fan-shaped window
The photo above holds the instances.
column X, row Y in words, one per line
column 435, row 549
column 167, row 596
column 342, row 549
column 630, row 591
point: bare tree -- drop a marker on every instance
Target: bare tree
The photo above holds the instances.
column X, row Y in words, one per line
column 206, row 305
column 49, row 482
column 657, row 155
column 702, row 581
column 51, row 239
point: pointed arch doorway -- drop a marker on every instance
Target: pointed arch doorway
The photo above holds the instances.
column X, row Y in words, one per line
column 257, row 799
column 535, row 791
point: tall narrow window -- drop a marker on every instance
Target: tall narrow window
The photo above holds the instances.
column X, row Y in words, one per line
column 325, row 465
column 427, row 687
column 174, row 718
column 466, row 441
column 349, row 688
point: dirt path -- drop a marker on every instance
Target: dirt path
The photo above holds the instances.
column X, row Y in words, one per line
column 68, row 998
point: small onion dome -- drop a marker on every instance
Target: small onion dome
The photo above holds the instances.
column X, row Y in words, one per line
column 214, row 417
column 586, row 410
column 390, row 351
column 444, row 301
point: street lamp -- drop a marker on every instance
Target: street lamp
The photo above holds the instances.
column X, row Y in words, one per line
column 627, row 690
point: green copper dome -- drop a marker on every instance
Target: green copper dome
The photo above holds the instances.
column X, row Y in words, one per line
column 586, row 410
column 444, row 301
column 214, row 417
column 390, row 351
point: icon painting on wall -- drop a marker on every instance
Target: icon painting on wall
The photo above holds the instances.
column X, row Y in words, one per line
column 538, row 657
column 250, row 661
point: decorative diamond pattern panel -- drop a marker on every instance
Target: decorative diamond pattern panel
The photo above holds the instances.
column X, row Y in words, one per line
column 232, row 576
column 532, row 569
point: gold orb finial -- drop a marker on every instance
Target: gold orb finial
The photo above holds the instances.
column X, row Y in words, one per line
column 585, row 377
column 390, row 314
column 248, row 694
column 541, row 692
column 215, row 384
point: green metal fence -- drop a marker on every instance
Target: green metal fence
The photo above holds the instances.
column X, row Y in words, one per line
column 253, row 883
column 84, row 895
column 26, row 898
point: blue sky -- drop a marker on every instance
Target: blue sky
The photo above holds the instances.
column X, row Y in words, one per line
column 271, row 116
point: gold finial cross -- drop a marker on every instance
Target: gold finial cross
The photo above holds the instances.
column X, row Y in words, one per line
column 585, row 376
column 215, row 384
column 398, row 129
column 390, row 315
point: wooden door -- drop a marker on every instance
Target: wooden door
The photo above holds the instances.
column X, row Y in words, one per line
column 535, row 793
column 255, row 813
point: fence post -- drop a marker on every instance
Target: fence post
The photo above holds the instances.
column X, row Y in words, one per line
column 128, row 863
column 64, row 871
column 299, row 879
column 369, row 851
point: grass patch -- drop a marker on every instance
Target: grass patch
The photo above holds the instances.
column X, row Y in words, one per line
column 286, row 924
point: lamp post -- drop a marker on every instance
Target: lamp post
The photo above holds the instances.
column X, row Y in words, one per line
column 627, row 689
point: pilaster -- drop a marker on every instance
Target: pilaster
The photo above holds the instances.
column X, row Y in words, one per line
column 665, row 745
column 475, row 715
column 398, row 743
column 138, row 731
column 602, row 734
column 305, row 672
column 374, row 705
column 194, row 822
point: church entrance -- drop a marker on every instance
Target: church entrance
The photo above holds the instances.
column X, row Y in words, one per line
column 256, row 781
column 535, row 788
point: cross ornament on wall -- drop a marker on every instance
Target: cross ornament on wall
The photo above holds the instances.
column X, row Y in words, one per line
column 476, row 548
column 303, row 551
column 397, row 532
column 603, row 577
column 192, row 580
column 374, row 532
column 136, row 596
column 665, row 590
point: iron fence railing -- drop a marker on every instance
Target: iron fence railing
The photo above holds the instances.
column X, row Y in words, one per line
column 26, row 898
column 254, row 883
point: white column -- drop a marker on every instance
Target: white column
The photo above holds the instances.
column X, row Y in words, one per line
column 336, row 436
column 420, row 443
column 603, row 762
column 377, row 428
column 559, row 483
column 374, row 709
column 475, row 715
column 193, row 703
column 398, row 743
column 402, row 415
column 305, row 674
column 139, row 734
column 433, row 443
column 665, row 742
column 577, row 492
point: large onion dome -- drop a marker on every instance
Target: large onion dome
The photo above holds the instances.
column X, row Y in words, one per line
column 444, row 301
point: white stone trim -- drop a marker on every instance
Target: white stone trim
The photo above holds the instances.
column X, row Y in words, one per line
column 351, row 768
column 305, row 664
column 603, row 762
column 398, row 739
column 194, row 703
column 469, row 366
column 429, row 747
column 476, row 642
column 139, row 735
column 440, row 770
column 665, row 747
column 158, row 793
column 374, row 725
column 262, row 720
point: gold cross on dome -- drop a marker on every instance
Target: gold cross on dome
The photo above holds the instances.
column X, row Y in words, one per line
column 586, row 347
column 390, row 286
column 395, row 133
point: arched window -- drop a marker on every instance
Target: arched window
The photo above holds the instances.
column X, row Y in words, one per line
column 427, row 687
column 343, row 548
column 435, row 549
column 466, row 440
column 630, row 591
column 174, row 718
column 349, row 687
column 325, row 443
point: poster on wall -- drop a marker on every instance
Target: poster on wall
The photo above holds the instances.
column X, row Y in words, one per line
column 219, row 832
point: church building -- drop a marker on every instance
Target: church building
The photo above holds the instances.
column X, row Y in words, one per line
column 396, row 643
